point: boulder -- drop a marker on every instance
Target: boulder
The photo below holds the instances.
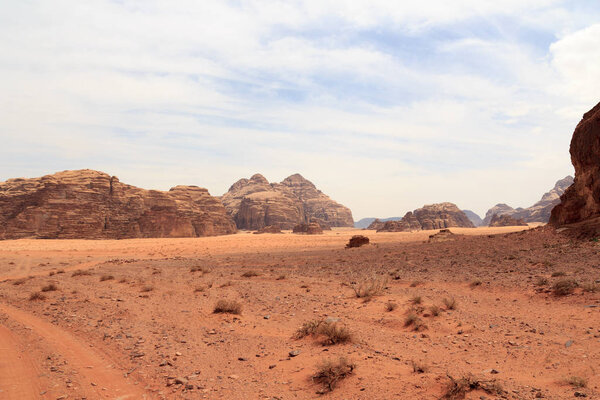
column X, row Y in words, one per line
column 87, row 204
column 254, row 203
column 309, row 229
column 506, row 220
column 580, row 203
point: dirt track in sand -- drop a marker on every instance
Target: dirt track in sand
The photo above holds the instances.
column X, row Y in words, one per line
column 154, row 318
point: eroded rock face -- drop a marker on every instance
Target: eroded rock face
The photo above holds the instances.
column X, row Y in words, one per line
column 498, row 209
column 581, row 202
column 506, row 220
column 268, row 229
column 433, row 216
column 93, row 205
column 357, row 241
column 309, row 229
column 254, row 203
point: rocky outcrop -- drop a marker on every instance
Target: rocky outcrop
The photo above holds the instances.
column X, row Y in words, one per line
column 89, row 204
column 357, row 241
column 376, row 224
column 443, row 235
column 539, row 212
column 433, row 216
column 309, row 229
column 364, row 223
column 254, row 203
column 581, row 202
column 473, row 217
column 506, row 220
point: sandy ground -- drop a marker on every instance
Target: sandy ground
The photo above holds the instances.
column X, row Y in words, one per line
column 141, row 323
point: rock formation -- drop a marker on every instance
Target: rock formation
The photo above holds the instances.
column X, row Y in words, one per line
column 433, row 216
column 539, row 212
column 443, row 235
column 473, row 217
column 309, row 229
column 377, row 224
column 357, row 241
column 581, row 202
column 506, row 220
column 268, row 229
column 254, row 203
column 93, row 205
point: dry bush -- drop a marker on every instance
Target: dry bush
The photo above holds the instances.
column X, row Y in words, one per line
column 458, row 388
column 19, row 281
column 434, row 310
column 416, row 300
column 556, row 274
column 106, row 278
column 369, row 287
column 51, row 287
column 199, row 268
column 308, row 328
column 415, row 321
column 390, row 306
column 591, row 287
column 576, row 381
column 449, row 303
column 415, row 283
column 330, row 332
column 37, row 296
column 227, row 307
column 329, row 373
column 147, row 288
column 250, row 274
column 81, row 272
column 541, row 281
column 564, row 287
column 418, row 367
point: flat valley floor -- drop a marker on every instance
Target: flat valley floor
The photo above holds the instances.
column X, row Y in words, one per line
column 133, row 319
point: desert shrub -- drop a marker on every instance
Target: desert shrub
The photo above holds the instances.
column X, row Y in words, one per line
column 227, row 307
column 591, row 287
column 557, row 274
column 416, row 300
column 564, row 287
column 329, row 372
column 449, row 303
column 81, row 272
column 37, row 296
column 51, row 287
column 106, row 278
column 418, row 367
column 576, row 381
column 369, row 287
column 458, row 388
column 541, row 281
column 147, row 288
column 330, row 332
column 250, row 274
column 414, row 321
column 434, row 310
column 308, row 328
column 19, row 281
column 123, row 280
column 390, row 306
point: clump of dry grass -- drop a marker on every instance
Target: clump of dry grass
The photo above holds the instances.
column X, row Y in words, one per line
column 330, row 332
column 576, row 381
column 541, row 281
column 369, row 287
column 81, row 272
column 37, row 296
column 591, row 287
column 227, row 307
column 564, row 287
column 147, row 288
column 416, row 300
column 449, row 303
column 415, row 322
column 226, row 284
column 390, row 306
column 250, row 274
column 51, row 287
column 199, row 268
column 458, row 388
column 329, row 372
column 434, row 310
column 104, row 278
column 557, row 274
column 418, row 367
column 19, row 281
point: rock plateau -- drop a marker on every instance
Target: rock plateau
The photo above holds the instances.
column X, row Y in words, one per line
column 254, row 203
column 87, row 204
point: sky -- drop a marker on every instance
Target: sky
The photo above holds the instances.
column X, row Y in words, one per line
column 385, row 106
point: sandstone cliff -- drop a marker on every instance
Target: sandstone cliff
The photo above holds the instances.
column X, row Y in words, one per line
column 581, row 202
column 254, row 203
column 93, row 205
column 433, row 216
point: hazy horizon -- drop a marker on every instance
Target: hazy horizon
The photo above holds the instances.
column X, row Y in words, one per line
column 384, row 107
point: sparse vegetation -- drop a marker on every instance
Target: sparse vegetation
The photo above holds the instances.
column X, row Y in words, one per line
column 416, row 300
column 106, row 278
column 250, row 274
column 37, row 296
column 51, row 287
column 199, row 289
column 449, row 303
column 81, row 272
column 147, row 288
column 329, row 373
column 576, row 381
column 541, row 281
column 414, row 321
column 591, row 287
column 416, row 283
column 226, row 284
column 307, row 329
column 227, row 307
column 199, row 268
column 434, row 310
column 418, row 367
column 557, row 274
column 370, row 287
column 280, row 277
column 458, row 388
column 19, row 281
column 330, row 332
column 390, row 306
column 564, row 287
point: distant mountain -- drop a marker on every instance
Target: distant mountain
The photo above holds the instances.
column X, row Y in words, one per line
column 365, row 222
column 432, row 216
column 475, row 219
column 539, row 212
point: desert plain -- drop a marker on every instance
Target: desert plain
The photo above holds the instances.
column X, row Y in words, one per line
column 481, row 316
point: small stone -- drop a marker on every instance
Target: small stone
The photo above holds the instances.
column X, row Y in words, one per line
column 294, row 353
column 267, row 317
column 569, row 343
